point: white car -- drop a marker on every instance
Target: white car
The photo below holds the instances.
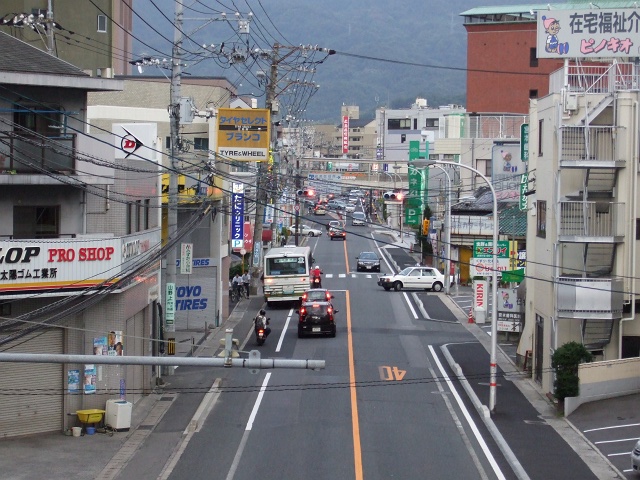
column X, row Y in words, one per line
column 305, row 230
column 350, row 208
column 421, row 278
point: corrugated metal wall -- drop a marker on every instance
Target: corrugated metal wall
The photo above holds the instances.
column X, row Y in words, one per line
column 32, row 393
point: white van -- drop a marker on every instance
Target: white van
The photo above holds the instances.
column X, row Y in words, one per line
column 358, row 218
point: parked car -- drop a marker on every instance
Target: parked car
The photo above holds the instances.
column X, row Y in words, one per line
column 358, row 218
column 338, row 233
column 368, row 261
column 316, row 318
column 305, row 230
column 421, row 278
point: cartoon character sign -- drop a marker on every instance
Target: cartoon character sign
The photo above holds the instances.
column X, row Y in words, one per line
column 552, row 27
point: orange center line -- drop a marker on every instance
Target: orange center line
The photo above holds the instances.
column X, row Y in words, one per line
column 355, row 423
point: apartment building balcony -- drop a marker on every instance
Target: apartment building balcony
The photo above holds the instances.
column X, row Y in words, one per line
column 39, row 160
column 588, row 147
column 595, row 79
column 590, row 298
column 591, row 222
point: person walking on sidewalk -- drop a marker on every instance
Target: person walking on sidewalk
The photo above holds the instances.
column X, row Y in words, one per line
column 246, row 281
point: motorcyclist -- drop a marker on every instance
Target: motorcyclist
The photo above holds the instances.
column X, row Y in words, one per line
column 315, row 274
column 261, row 321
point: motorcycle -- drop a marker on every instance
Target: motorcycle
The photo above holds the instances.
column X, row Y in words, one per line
column 261, row 332
column 316, row 282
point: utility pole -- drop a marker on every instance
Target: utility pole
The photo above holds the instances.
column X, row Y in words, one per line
column 50, row 44
column 261, row 183
column 172, row 200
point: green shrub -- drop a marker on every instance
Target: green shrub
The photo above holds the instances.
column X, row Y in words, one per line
column 565, row 361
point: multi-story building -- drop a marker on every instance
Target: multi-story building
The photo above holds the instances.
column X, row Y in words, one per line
column 583, row 227
column 503, row 68
column 80, row 242
column 94, row 36
column 145, row 99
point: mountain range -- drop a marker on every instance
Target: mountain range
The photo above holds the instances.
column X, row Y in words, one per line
column 388, row 52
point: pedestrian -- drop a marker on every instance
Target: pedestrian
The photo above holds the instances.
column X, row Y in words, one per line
column 246, row 280
column 283, row 241
column 237, row 283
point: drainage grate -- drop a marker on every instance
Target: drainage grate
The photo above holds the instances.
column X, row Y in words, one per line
column 145, row 427
column 166, row 399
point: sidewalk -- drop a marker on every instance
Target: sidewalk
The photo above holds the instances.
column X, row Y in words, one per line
column 100, row 456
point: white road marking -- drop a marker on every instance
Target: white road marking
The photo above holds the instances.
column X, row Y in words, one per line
column 609, row 428
column 329, row 275
column 342, row 275
column 406, row 298
column 284, row 331
column 245, row 435
column 467, row 416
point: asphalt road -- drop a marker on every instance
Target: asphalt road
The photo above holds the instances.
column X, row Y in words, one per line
column 384, row 407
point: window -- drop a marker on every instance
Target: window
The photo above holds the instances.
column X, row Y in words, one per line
column 541, row 218
column 533, row 93
column 533, row 57
column 637, row 228
column 200, row 143
column 431, row 122
column 484, row 167
column 47, row 123
column 102, row 23
column 36, row 222
column 399, row 124
column 540, row 132
column 147, row 214
column 167, row 143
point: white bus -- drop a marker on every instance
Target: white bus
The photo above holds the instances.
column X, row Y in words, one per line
column 286, row 273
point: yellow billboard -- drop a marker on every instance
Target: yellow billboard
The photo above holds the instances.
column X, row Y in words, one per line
column 244, row 134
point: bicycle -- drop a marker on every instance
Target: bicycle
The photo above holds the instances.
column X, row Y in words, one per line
column 238, row 292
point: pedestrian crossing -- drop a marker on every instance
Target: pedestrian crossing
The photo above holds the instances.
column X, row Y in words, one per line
column 351, row 275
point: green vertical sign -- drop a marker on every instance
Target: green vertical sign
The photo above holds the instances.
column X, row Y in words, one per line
column 414, row 150
column 524, row 186
column 413, row 203
column 524, row 142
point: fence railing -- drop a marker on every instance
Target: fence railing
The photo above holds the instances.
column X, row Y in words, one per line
column 26, row 154
column 591, row 219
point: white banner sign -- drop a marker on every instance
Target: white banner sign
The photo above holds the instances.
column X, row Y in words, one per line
column 483, row 267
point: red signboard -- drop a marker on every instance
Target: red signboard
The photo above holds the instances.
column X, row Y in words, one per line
column 345, row 134
column 248, row 236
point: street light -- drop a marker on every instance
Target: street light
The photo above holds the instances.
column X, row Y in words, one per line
column 447, row 231
column 494, row 280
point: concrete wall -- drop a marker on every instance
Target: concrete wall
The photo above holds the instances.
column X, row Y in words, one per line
column 608, row 379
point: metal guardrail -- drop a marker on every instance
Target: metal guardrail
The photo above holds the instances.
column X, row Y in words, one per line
column 591, row 79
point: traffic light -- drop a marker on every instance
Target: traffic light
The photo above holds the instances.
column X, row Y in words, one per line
column 425, row 227
column 393, row 196
column 306, row 193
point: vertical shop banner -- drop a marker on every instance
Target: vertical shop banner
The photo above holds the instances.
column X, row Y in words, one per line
column 413, row 203
column 186, row 258
column 170, row 307
column 248, row 236
column 89, row 379
column 345, row 134
column 237, row 216
column 73, row 381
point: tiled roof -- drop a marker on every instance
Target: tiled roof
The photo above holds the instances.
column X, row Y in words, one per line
column 20, row 57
